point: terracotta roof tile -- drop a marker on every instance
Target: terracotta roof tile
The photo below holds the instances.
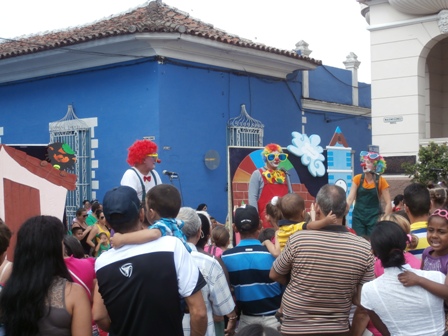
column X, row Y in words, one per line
column 42, row 168
column 154, row 17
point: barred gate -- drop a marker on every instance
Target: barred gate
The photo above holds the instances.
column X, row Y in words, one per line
column 245, row 130
column 76, row 133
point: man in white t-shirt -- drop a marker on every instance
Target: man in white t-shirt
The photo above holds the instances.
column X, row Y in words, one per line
column 142, row 157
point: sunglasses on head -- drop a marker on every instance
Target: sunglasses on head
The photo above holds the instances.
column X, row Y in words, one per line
column 370, row 155
column 280, row 156
column 441, row 213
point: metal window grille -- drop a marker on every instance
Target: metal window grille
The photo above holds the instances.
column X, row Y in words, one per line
column 76, row 133
column 245, row 130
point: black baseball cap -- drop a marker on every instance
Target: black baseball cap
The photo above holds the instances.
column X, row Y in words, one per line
column 121, row 201
column 246, row 218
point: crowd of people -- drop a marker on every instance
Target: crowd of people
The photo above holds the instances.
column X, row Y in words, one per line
column 144, row 265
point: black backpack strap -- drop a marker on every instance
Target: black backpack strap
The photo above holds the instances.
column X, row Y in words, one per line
column 143, row 186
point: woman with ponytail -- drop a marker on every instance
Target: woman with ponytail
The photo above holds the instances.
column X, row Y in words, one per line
column 393, row 308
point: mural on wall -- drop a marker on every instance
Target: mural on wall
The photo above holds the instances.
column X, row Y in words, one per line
column 308, row 166
column 61, row 156
column 245, row 160
column 309, row 151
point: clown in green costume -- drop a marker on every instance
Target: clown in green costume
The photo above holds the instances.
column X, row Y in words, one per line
column 367, row 191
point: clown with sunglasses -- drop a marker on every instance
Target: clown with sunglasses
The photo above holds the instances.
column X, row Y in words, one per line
column 142, row 176
column 367, row 191
column 269, row 181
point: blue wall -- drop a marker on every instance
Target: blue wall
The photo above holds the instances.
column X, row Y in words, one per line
column 184, row 106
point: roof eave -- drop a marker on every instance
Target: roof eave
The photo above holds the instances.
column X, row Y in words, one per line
column 128, row 47
column 225, row 55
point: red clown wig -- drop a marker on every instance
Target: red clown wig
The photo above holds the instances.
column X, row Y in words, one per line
column 139, row 150
column 271, row 148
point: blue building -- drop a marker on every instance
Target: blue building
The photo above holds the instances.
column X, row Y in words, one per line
column 156, row 73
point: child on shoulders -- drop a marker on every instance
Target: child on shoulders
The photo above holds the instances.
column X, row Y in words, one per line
column 292, row 207
column 162, row 204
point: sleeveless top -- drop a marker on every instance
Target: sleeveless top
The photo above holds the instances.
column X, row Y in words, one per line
column 57, row 320
column 100, row 230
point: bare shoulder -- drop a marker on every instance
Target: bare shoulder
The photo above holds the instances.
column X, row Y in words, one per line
column 73, row 289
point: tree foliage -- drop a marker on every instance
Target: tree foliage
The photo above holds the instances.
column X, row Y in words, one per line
column 432, row 165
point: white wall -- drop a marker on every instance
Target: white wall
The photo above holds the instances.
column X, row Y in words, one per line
column 400, row 44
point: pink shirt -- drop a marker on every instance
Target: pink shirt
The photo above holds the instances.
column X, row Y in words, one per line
column 410, row 259
column 82, row 272
column 214, row 250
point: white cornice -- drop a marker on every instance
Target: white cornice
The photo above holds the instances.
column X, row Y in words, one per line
column 130, row 47
column 317, row 105
column 404, row 23
column 373, row 2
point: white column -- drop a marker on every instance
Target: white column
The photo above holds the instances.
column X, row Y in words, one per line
column 351, row 63
column 302, row 49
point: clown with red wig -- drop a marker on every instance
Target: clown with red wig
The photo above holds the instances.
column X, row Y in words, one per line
column 142, row 157
column 269, row 181
column 367, row 191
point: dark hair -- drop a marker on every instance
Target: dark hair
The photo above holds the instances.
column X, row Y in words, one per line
column 85, row 201
column 201, row 207
column 98, row 212
column 417, row 200
column 332, row 198
column 273, row 211
column 266, row 234
column 95, row 206
column 403, row 214
column 205, row 227
column 220, row 236
column 388, row 241
column 76, row 229
column 438, row 196
column 37, row 261
column 102, row 234
column 73, row 247
column 398, row 199
column 257, row 330
column 164, row 199
column 291, row 206
column 5, row 236
column 80, row 211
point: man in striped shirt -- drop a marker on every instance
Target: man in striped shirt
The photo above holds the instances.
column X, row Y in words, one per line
column 327, row 269
column 257, row 296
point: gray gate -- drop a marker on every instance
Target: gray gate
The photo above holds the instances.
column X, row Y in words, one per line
column 76, row 133
column 245, row 130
